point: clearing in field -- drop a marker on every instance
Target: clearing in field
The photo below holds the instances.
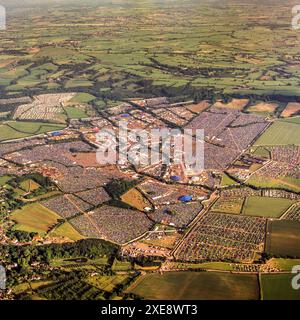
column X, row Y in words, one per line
column 199, row 107
column 280, row 133
column 236, row 104
column 196, row 286
column 34, row 218
column 135, row 199
column 29, row 185
column 233, row 206
column 283, row 238
column 293, row 108
column 278, row 287
column 263, row 107
column 227, row 181
column 266, row 207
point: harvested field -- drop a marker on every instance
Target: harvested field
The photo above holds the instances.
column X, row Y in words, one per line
column 263, row 107
column 236, row 104
column 196, row 286
column 34, row 218
column 199, row 107
column 293, row 108
column 283, row 238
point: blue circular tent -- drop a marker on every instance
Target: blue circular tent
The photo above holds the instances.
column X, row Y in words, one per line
column 56, row 134
column 186, row 198
column 175, row 178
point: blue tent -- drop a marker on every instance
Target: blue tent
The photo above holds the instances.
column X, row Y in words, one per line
column 175, row 178
column 56, row 134
column 186, row 198
column 125, row 115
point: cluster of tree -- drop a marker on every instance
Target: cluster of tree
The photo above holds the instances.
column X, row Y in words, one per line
column 117, row 187
column 147, row 261
column 21, row 236
column 25, row 256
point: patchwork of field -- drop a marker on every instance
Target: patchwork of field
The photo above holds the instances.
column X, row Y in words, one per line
column 240, row 54
column 82, row 68
column 197, row 286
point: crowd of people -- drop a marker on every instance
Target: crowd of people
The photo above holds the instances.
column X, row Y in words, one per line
column 116, row 224
column 59, row 152
column 178, row 215
column 66, row 205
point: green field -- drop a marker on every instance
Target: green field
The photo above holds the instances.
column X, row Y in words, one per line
column 284, row 264
column 197, row 286
column 107, row 283
column 289, row 183
column 34, row 218
column 4, row 180
column 278, row 287
column 280, row 133
column 66, row 230
column 283, row 238
column 82, row 98
column 18, row 129
column 75, row 113
column 121, row 265
column 266, row 207
column 227, row 181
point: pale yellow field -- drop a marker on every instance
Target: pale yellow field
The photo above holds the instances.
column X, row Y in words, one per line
column 291, row 108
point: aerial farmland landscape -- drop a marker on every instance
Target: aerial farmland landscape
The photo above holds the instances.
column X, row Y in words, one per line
column 75, row 228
